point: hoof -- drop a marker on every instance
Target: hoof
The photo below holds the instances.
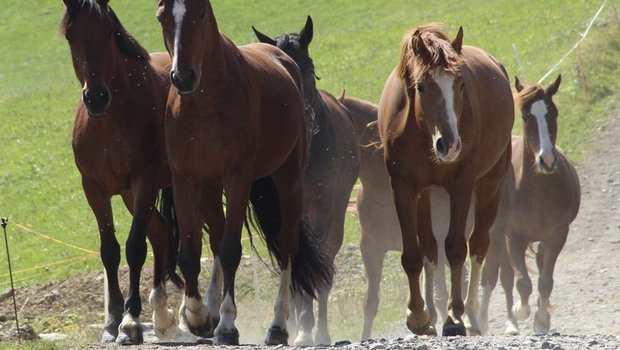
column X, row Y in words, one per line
column 203, row 331
column 451, row 328
column 511, row 328
column 473, row 331
column 542, row 322
column 276, row 336
column 303, row 339
column 323, row 339
column 426, row 329
column 107, row 337
column 125, row 339
column 521, row 312
column 227, row 338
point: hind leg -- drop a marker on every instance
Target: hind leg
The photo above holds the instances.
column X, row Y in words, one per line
column 551, row 251
column 373, row 256
column 110, row 254
column 507, row 278
column 428, row 245
column 489, row 275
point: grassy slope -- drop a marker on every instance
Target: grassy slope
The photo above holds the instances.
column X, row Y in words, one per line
column 355, row 47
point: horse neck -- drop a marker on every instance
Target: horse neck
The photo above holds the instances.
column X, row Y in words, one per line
column 218, row 49
column 528, row 156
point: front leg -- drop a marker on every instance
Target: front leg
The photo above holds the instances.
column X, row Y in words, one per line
column 456, row 251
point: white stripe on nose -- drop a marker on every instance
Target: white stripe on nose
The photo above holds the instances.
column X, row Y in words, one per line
column 445, row 82
column 539, row 110
column 178, row 12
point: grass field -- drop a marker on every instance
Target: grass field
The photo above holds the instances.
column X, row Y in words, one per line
column 355, row 47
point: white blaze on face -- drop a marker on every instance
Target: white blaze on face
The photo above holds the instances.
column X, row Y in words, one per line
column 178, row 12
column 445, row 83
column 539, row 110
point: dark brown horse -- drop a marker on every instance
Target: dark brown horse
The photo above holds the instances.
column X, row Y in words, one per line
column 547, row 195
column 445, row 117
column 331, row 174
column 118, row 144
column 236, row 125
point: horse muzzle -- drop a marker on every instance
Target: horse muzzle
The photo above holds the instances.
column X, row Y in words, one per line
column 546, row 164
column 185, row 81
column 448, row 151
column 97, row 100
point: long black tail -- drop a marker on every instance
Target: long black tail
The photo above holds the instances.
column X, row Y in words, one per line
column 168, row 212
column 311, row 267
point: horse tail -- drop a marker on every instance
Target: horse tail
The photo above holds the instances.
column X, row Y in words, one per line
column 169, row 214
column 311, row 267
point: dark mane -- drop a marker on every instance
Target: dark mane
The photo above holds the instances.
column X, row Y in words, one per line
column 125, row 42
column 529, row 94
column 290, row 41
column 426, row 48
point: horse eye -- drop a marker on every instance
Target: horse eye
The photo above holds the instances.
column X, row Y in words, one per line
column 462, row 86
column 420, row 87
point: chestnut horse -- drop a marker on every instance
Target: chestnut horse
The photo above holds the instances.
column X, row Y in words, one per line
column 379, row 228
column 118, row 145
column 236, row 125
column 445, row 117
column 331, row 174
column 546, row 200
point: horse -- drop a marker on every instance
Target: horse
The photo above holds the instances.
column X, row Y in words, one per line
column 329, row 179
column 118, row 147
column 235, row 125
column 445, row 117
column 546, row 200
column 379, row 227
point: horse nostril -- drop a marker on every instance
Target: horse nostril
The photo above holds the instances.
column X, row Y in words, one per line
column 441, row 146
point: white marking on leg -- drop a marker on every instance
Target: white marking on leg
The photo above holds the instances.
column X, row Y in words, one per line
column 106, row 297
column 483, row 315
column 164, row 320
column 471, row 302
column 539, row 110
column 283, row 302
column 429, row 282
column 228, row 314
column 178, row 12
column 213, row 296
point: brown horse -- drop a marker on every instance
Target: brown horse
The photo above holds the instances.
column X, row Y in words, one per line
column 331, row 174
column 546, row 200
column 236, row 125
column 445, row 117
column 380, row 231
column 118, row 144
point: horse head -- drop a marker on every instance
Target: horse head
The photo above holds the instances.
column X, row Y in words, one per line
column 296, row 46
column 430, row 66
column 188, row 27
column 96, row 38
column 540, row 127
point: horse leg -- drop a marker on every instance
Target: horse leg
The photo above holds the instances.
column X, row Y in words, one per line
column 551, row 251
column 237, row 189
column 110, row 252
column 405, row 200
column 372, row 256
column 456, row 251
column 516, row 250
column 507, row 278
column 489, row 275
column 428, row 244
column 213, row 212
column 193, row 314
column 141, row 206
column 304, row 306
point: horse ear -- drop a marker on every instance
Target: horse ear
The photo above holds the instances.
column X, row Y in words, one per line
column 103, row 2
column 417, row 44
column 263, row 38
column 518, row 85
column 457, row 42
column 305, row 35
column 553, row 87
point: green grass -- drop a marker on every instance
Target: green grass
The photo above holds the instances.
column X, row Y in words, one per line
column 355, row 47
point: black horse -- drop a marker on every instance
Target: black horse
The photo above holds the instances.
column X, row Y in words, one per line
column 332, row 172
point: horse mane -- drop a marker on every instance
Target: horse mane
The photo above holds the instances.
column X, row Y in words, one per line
column 426, row 48
column 285, row 41
column 125, row 41
column 529, row 94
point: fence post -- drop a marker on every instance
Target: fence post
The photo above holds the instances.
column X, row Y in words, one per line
column 8, row 258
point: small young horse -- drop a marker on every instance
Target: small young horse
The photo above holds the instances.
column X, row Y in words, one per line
column 546, row 200
column 331, row 174
column 236, row 125
column 380, row 231
column 118, row 144
column 445, row 117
